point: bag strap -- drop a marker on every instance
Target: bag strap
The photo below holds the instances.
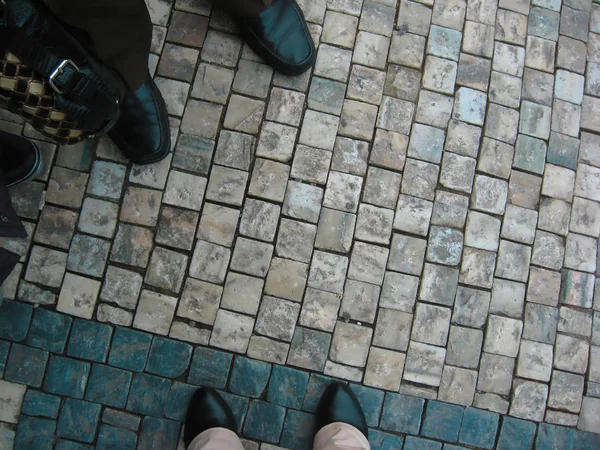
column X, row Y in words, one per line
column 85, row 92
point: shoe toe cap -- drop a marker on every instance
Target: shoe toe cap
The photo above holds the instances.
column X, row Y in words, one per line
column 339, row 404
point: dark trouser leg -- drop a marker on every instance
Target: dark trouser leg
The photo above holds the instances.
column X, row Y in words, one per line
column 243, row 7
column 120, row 29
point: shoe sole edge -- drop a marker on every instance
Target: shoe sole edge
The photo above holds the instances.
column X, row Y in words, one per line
column 35, row 170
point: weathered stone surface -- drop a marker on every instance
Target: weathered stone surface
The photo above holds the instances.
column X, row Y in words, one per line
column 350, row 344
column 529, row 400
column 424, row 364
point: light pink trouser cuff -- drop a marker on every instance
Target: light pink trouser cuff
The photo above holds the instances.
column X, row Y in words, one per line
column 335, row 436
column 340, row 436
column 216, row 439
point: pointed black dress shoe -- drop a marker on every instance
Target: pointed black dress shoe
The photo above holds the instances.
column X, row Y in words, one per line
column 339, row 404
column 20, row 159
column 142, row 131
column 207, row 409
column 279, row 35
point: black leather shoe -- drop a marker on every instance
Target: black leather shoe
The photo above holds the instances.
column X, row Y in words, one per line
column 20, row 159
column 207, row 409
column 279, row 35
column 142, row 131
column 339, row 404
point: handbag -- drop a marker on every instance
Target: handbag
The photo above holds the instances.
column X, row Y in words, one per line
column 50, row 79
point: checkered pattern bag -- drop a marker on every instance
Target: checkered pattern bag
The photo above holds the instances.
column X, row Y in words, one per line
column 24, row 91
column 50, row 79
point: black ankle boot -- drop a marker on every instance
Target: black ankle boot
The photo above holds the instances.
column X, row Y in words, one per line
column 279, row 35
column 207, row 409
column 142, row 132
column 20, row 159
column 339, row 404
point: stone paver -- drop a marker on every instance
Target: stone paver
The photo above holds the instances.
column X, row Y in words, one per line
column 418, row 215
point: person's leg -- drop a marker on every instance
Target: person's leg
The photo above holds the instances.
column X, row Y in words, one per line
column 209, row 423
column 216, row 439
column 340, row 436
column 244, row 7
column 340, row 421
column 120, row 30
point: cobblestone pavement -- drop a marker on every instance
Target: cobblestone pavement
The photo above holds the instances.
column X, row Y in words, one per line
column 418, row 215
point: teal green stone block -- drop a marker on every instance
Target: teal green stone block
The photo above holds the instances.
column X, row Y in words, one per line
column 287, row 387
column 427, row 142
column 49, row 330
column 193, row 153
column 479, row 428
column 14, row 320
column 384, row 441
column 121, row 419
column 249, row 377
column 442, row 421
column 550, row 437
column 470, row 106
column 316, row 386
column 516, row 434
column 168, row 358
column 371, row 401
column 37, row 403
column 577, row 288
column 312, row 345
column 63, row 444
column 210, row 368
column 298, row 430
column 89, row 340
column 179, row 399
column 66, row 377
column 402, row 413
column 444, row 42
column 563, row 150
column 26, row 365
column 106, row 179
column 264, row 422
column 543, row 23
column 108, row 386
column 238, row 405
column 78, row 420
column 88, row 255
column 34, row 433
column 129, row 349
column 530, row 154
column 584, row 440
column 454, row 447
column 415, row 443
column 158, row 434
column 113, row 438
column 7, row 434
column 326, row 95
column 148, row 395
column 4, row 349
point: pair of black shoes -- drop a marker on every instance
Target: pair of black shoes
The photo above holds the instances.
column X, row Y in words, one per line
column 208, row 409
column 279, row 35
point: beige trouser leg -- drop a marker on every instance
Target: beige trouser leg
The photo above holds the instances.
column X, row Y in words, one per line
column 335, row 436
column 340, row 436
column 216, row 439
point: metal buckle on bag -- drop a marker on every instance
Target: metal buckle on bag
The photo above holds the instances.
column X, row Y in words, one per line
column 59, row 70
